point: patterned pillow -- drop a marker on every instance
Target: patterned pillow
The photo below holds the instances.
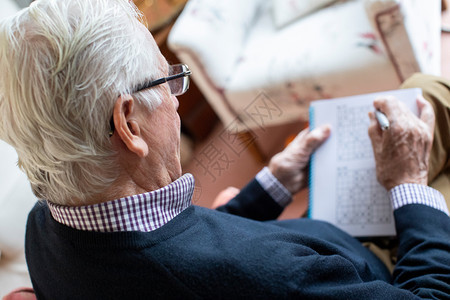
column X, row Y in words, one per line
column 286, row 11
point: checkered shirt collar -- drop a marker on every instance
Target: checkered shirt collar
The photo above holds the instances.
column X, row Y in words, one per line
column 143, row 212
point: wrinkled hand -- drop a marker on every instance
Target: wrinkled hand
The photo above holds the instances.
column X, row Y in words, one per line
column 402, row 152
column 289, row 166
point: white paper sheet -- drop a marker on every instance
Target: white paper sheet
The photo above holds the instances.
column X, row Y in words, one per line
column 343, row 186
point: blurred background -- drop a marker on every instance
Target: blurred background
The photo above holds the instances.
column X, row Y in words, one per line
column 256, row 66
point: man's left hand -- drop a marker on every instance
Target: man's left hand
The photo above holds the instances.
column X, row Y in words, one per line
column 290, row 165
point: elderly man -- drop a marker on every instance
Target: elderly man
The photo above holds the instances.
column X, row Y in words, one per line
column 88, row 101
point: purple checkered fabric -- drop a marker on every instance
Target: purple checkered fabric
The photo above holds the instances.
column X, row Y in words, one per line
column 273, row 187
column 144, row 212
column 417, row 194
column 150, row 211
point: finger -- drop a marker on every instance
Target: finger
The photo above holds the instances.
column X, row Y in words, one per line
column 385, row 104
column 316, row 137
column 374, row 130
column 300, row 136
column 390, row 106
column 426, row 112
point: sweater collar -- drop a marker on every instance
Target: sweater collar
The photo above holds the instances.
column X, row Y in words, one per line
column 144, row 212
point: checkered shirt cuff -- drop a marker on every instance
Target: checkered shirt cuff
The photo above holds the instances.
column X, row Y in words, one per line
column 409, row 193
column 273, row 187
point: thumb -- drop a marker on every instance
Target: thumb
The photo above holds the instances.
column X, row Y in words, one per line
column 316, row 137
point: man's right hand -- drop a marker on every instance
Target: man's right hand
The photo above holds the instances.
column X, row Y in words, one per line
column 402, row 152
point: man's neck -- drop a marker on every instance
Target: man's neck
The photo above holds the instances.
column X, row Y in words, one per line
column 128, row 184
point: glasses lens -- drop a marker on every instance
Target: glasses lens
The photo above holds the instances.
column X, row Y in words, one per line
column 177, row 86
column 180, row 85
column 176, row 69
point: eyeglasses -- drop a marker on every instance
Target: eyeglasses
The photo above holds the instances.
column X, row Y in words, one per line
column 178, row 81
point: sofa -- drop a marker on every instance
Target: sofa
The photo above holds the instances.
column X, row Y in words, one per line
column 16, row 200
column 260, row 63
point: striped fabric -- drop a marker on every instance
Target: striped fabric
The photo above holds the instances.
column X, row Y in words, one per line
column 273, row 187
column 144, row 212
column 417, row 194
column 150, row 211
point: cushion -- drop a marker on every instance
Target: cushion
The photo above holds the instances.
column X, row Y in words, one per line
column 9, row 7
column 16, row 200
column 286, row 11
column 217, row 31
column 334, row 53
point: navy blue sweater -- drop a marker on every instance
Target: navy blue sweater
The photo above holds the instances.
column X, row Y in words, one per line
column 218, row 254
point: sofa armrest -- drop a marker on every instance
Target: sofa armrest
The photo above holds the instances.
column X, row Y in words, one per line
column 423, row 24
column 214, row 32
column 410, row 35
column 9, row 7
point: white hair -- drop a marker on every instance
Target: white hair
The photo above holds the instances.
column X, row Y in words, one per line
column 63, row 64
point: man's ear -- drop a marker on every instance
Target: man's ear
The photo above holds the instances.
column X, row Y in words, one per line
column 127, row 126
